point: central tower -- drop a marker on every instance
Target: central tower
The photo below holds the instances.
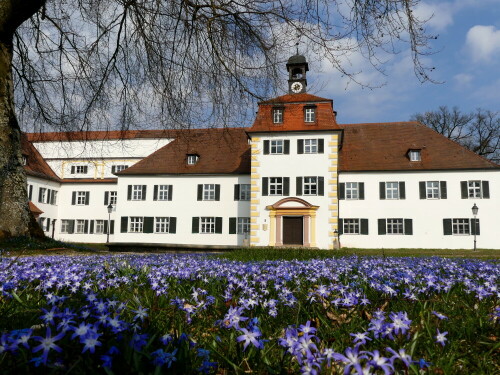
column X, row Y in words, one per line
column 297, row 68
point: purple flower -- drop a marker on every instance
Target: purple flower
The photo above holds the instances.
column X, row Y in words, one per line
column 47, row 343
column 140, row 313
column 360, row 337
column 380, row 363
column 307, row 328
column 401, row 355
column 90, row 342
column 351, row 360
column 439, row 315
column 400, row 322
column 250, row 337
column 441, row 338
column 82, row 330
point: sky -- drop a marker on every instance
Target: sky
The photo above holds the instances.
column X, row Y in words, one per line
column 466, row 57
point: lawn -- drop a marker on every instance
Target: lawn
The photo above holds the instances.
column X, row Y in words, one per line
column 167, row 313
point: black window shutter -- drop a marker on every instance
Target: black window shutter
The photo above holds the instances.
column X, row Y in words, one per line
column 218, row 225
column 321, row 146
column 236, row 192
column 30, row 192
column 364, row 226
column 124, row 224
column 321, row 185
column 170, row 192
column 265, row 186
column 382, row 190
column 381, row 226
column 443, row 190
column 40, row 195
column 105, row 227
column 200, row 194
column 72, row 169
column 361, row 190
column 402, row 190
column 113, row 169
column 266, row 147
column 464, row 189
column 86, row 226
column 341, row 226
column 298, row 186
column 422, row 189
column 129, row 192
column 486, row 189
column 71, row 227
column 87, row 198
column 172, row 225
column 286, row 186
column 408, row 227
column 149, row 223
column 300, row 146
column 73, row 198
column 217, row 193
column 232, row 225
column 91, row 230
column 196, row 225
column 286, row 147
column 447, row 229
column 143, row 192
column 48, row 224
column 86, row 169
column 155, row 193
column 342, row 190
column 473, row 227
column 112, row 224
column 106, row 198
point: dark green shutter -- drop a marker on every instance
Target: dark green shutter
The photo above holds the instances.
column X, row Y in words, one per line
column 408, row 227
column 265, row 186
column 170, row 192
column 266, row 147
column 149, row 223
column 86, row 226
column 129, row 192
column 87, row 198
column 341, row 226
column 321, row 185
column 48, row 224
column 106, row 198
column 298, row 186
column 71, row 226
column 300, row 146
column 342, row 190
column 402, row 190
column 40, row 195
column 217, row 192
column 72, row 169
column 286, row 186
column 474, row 227
column 73, row 198
column 91, row 230
column 486, row 189
column 422, row 189
column 361, row 190
column 286, row 149
column 172, row 225
column 124, row 224
column 112, row 223
column 200, row 193
column 155, row 193
column 30, row 194
column 218, row 225
column 382, row 190
column 321, row 146
column 443, row 190
column 105, row 227
column 143, row 192
column 447, row 228
column 196, row 225
column 464, row 189
column 382, row 226
column 364, row 226
column 232, row 225
column 236, row 192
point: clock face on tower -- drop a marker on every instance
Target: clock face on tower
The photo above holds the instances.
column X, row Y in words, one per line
column 296, row 87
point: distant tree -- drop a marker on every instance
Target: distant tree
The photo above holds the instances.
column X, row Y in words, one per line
column 479, row 131
column 95, row 64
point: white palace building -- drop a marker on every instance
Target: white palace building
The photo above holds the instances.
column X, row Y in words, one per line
column 296, row 177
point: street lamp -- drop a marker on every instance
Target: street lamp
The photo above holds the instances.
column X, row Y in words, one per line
column 110, row 209
column 475, row 209
column 337, row 237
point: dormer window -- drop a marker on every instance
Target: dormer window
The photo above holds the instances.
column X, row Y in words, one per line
column 118, row 168
column 414, row 155
column 278, row 115
column 24, row 159
column 192, row 159
column 310, row 114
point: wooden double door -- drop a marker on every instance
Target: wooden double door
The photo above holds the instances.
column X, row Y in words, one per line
column 293, row 230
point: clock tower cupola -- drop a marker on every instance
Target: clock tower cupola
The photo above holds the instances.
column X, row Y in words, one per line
column 297, row 68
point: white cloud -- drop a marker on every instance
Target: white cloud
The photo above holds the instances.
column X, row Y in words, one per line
column 482, row 43
column 463, row 79
column 438, row 16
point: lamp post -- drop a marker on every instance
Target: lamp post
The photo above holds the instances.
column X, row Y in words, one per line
column 337, row 238
column 110, row 209
column 475, row 209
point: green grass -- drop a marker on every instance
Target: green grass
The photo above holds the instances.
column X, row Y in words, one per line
column 29, row 246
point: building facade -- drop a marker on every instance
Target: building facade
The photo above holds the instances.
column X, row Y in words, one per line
column 296, row 177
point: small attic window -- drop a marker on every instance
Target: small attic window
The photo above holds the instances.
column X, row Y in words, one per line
column 415, row 155
column 278, row 115
column 192, row 159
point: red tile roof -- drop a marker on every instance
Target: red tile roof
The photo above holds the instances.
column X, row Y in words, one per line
column 35, row 164
column 384, row 147
column 34, row 209
column 90, row 180
column 220, row 151
column 101, row 135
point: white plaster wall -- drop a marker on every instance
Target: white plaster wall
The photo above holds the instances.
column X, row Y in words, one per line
column 184, row 206
column 294, row 165
column 427, row 214
column 49, row 210
column 98, row 169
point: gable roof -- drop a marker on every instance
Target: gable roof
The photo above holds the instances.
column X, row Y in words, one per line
column 35, row 164
column 220, row 151
column 384, row 147
column 101, row 135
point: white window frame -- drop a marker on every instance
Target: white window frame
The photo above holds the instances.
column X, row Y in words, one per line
column 79, row 226
column 352, row 190
column 310, row 185
column 432, row 190
column 136, row 224
column 209, row 192
column 53, row 198
column 351, row 226
column 137, row 192
column 460, row 227
column 163, row 192
column 113, row 197
column 120, row 167
column 276, row 147
column 81, row 169
column 474, row 189
column 310, row 146
column 415, row 155
column 207, row 225
column 192, row 159
column 310, row 114
column 278, row 115
column 392, row 190
column 65, row 225
column 243, row 225
column 43, row 195
column 81, row 198
column 162, row 224
column 275, row 185
column 245, row 192
column 99, row 227
column 395, row 226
